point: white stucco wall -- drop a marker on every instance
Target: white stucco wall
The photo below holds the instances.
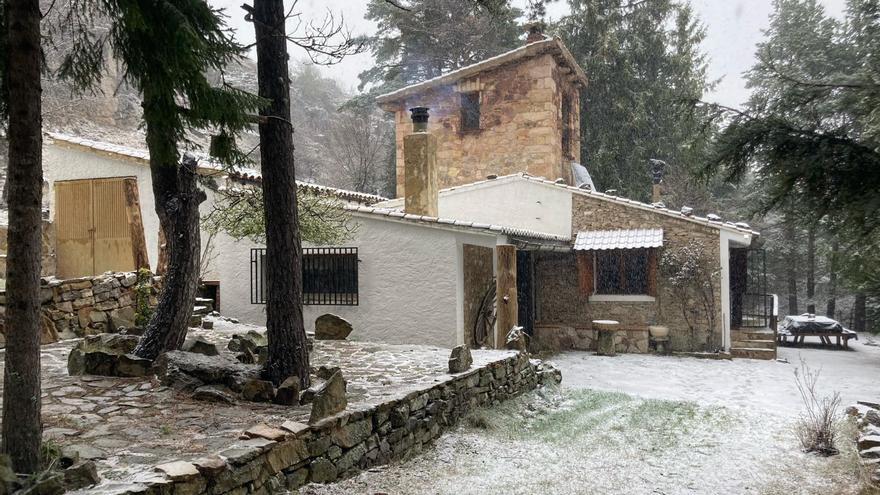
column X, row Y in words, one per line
column 62, row 162
column 509, row 201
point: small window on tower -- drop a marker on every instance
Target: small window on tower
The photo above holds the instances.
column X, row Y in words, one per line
column 566, row 126
column 470, row 111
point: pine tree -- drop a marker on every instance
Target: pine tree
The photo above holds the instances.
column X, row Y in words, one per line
column 646, row 72
column 20, row 98
column 166, row 48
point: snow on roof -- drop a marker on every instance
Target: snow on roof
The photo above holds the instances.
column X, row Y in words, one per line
column 449, row 222
column 529, row 50
column 710, row 221
column 597, row 240
column 209, row 167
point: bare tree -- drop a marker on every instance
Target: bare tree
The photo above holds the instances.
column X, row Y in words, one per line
column 359, row 143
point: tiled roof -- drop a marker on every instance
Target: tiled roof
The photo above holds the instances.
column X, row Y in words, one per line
column 596, row 240
column 738, row 227
column 448, row 222
column 210, row 167
column 531, row 49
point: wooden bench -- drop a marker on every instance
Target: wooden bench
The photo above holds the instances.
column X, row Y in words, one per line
column 825, row 337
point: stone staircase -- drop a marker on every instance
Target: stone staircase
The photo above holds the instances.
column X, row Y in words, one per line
column 753, row 343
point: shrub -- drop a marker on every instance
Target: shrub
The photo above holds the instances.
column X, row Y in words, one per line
column 816, row 428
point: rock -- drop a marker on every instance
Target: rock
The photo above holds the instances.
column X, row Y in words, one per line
column 325, row 372
column 872, row 405
column 178, row 470
column 91, row 363
column 332, row 327
column 48, row 332
column 288, row 392
column 323, row 471
column 208, row 324
column 294, row 427
column 517, row 339
column 199, row 345
column 112, row 343
column 210, row 465
column 81, row 475
column 872, row 453
column 308, row 395
column 131, row 365
column 866, row 442
column 195, row 321
column 460, row 359
column 873, row 417
column 263, row 430
column 329, row 399
column 82, row 451
column 250, row 341
column 246, row 357
column 353, row 433
column 188, row 371
column 122, row 318
column 256, row 390
column 213, row 393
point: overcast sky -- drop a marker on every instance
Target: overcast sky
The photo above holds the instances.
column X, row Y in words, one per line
column 733, row 28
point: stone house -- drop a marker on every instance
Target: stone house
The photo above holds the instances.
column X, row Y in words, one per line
column 515, row 112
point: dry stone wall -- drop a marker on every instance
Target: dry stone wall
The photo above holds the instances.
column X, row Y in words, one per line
column 90, row 305
column 289, row 455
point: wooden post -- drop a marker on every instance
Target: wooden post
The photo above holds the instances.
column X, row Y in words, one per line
column 136, row 224
column 505, row 280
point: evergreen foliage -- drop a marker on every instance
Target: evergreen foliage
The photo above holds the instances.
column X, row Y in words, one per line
column 646, row 72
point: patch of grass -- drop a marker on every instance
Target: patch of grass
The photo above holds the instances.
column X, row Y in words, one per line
column 166, row 429
column 591, row 417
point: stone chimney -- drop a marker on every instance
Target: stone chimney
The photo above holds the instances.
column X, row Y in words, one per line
column 535, row 32
column 420, row 167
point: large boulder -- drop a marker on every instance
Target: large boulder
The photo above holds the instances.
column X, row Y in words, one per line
column 122, row 318
column 329, row 399
column 332, row 327
column 288, row 392
column 99, row 354
column 256, row 390
column 200, row 345
column 188, row 371
column 460, row 359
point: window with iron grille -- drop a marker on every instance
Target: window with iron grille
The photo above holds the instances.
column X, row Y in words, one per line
column 470, row 111
column 329, row 276
column 622, row 272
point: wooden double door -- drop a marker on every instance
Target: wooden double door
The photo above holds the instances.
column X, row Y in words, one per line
column 98, row 227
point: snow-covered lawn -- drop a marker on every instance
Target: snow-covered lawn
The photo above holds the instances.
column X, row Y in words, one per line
column 644, row 424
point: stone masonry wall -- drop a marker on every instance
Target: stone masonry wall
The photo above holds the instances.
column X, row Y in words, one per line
column 520, row 124
column 564, row 313
column 90, row 305
column 290, row 455
column 48, row 248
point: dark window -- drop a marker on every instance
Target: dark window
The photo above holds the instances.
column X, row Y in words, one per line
column 330, row 276
column 566, row 126
column 470, row 111
column 622, row 272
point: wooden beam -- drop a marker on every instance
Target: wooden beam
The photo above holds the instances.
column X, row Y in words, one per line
column 135, row 224
column 505, row 280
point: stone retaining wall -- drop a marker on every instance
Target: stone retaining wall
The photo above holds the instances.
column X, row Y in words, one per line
column 292, row 454
column 556, row 338
column 89, row 305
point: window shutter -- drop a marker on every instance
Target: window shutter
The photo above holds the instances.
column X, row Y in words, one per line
column 585, row 272
column 652, row 272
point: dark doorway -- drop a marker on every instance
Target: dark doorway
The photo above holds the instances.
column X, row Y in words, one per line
column 525, row 294
column 750, row 305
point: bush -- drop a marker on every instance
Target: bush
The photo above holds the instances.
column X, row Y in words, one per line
column 816, row 429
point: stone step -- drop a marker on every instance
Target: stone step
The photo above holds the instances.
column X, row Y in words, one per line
column 755, row 343
column 753, row 353
column 752, row 334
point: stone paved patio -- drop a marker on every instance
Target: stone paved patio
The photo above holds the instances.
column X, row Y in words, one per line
column 129, row 424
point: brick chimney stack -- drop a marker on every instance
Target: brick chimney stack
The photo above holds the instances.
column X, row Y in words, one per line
column 535, row 32
column 658, row 168
column 420, row 167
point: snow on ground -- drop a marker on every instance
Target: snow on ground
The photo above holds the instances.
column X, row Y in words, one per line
column 644, row 425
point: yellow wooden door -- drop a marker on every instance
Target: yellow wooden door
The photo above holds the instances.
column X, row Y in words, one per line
column 93, row 234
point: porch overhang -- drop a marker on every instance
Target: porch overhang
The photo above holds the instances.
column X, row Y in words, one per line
column 598, row 240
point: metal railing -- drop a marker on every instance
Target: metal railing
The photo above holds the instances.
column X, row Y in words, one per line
column 329, row 276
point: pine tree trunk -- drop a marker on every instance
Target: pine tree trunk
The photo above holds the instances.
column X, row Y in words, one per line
column 811, row 269
column 791, row 265
column 831, row 309
column 177, row 199
column 860, row 312
column 288, row 354
column 21, row 390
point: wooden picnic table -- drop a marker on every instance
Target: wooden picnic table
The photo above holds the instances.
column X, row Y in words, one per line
column 825, row 337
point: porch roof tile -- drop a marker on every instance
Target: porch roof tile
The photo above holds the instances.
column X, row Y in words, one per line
column 594, row 240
